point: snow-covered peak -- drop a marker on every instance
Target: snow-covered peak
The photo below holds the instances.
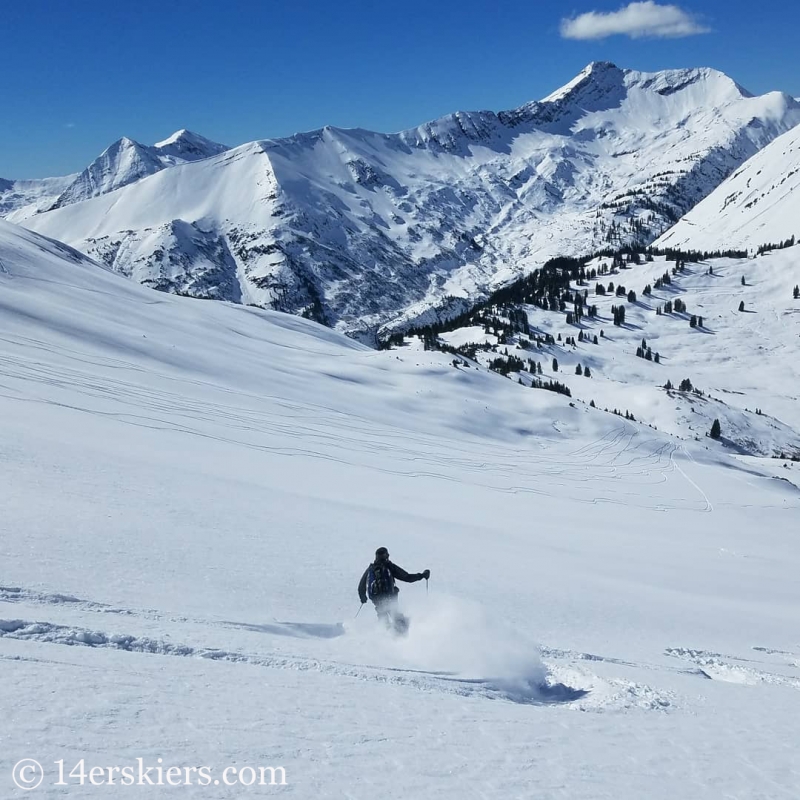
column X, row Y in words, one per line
column 127, row 161
column 124, row 150
column 717, row 85
column 183, row 133
column 601, row 74
column 122, row 163
column 648, row 99
column 186, row 145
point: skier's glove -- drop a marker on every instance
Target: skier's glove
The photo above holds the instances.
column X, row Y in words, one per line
column 426, row 574
column 363, row 600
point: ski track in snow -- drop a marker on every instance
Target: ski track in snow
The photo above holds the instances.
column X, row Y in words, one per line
column 566, row 683
column 732, row 669
column 584, row 691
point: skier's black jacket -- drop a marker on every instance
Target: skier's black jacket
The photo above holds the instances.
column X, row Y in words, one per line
column 398, row 573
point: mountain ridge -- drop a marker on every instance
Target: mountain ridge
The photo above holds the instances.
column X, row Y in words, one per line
column 366, row 231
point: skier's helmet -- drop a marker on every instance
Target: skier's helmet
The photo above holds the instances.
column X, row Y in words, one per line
column 381, row 554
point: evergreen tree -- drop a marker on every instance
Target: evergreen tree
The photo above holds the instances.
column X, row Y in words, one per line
column 631, row 296
column 741, row 306
column 657, row 358
column 699, row 322
column 592, row 405
column 716, row 430
column 744, row 283
column 796, row 292
column 587, row 373
column 555, row 365
column 579, row 370
column 595, row 338
column 693, row 321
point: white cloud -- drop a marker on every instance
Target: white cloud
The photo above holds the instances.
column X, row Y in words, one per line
column 636, row 20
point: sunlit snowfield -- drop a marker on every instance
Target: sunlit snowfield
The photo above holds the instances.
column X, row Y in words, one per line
column 192, row 491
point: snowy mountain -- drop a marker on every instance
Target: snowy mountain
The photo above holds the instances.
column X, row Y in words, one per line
column 22, row 199
column 759, row 204
column 121, row 164
column 368, row 232
column 192, row 491
column 185, row 146
column 126, row 162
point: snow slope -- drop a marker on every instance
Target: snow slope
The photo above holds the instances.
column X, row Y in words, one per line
column 744, row 362
column 759, row 204
column 193, row 489
column 362, row 230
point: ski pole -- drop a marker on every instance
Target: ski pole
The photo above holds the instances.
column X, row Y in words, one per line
column 359, row 610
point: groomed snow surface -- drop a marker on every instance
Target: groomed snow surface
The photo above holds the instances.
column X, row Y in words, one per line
column 192, row 490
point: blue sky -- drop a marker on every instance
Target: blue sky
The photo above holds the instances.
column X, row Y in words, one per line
column 77, row 75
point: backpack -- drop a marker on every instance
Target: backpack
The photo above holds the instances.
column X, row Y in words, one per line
column 379, row 581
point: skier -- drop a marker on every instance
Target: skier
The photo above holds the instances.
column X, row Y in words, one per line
column 377, row 582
